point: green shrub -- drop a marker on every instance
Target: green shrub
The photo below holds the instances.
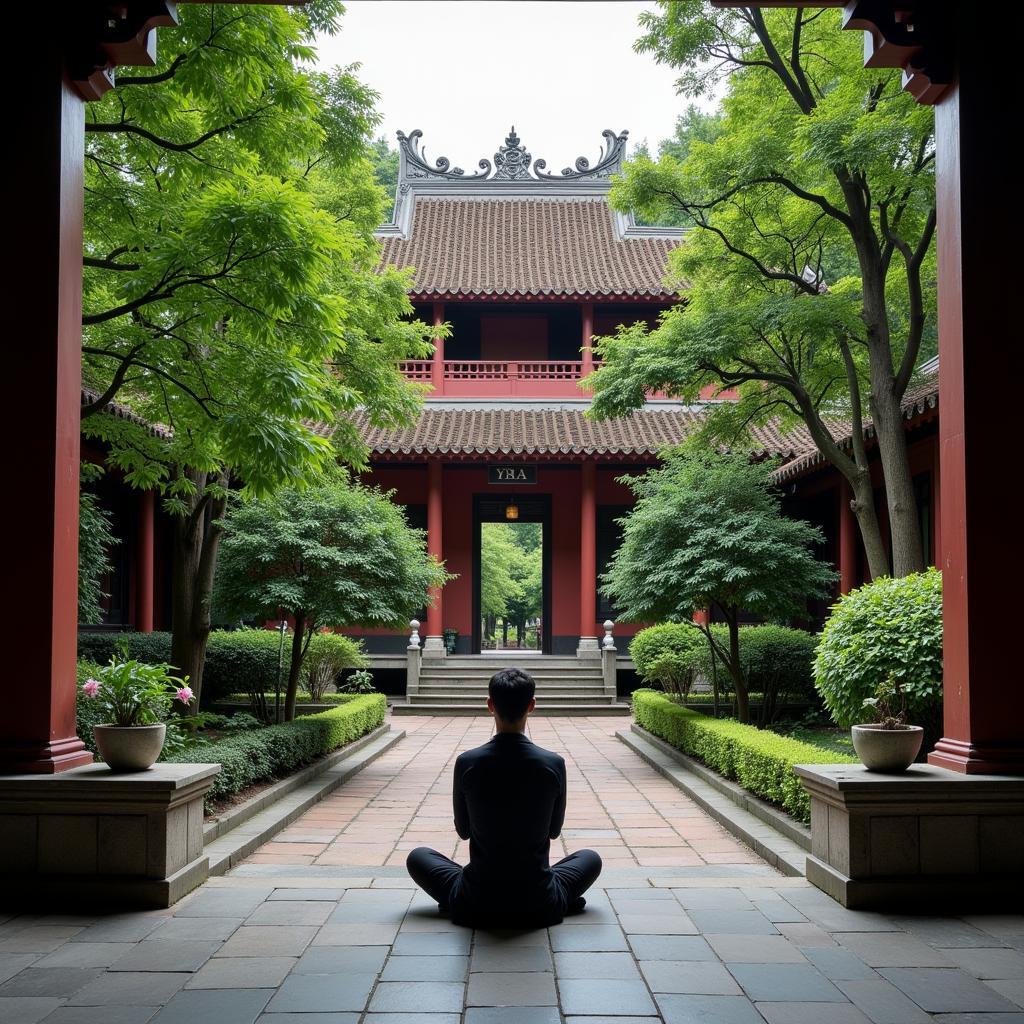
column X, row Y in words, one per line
column 236, row 660
column 302, row 697
column 761, row 762
column 668, row 654
column 887, row 627
column 779, row 663
column 279, row 750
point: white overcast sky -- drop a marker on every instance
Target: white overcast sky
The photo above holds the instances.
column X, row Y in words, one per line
column 464, row 72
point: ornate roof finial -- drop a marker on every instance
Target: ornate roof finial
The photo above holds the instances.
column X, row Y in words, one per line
column 512, row 161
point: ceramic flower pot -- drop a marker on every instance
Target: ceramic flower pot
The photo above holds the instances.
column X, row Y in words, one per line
column 887, row 750
column 130, row 748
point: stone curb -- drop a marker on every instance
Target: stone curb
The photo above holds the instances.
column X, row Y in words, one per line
column 772, row 835
column 280, row 807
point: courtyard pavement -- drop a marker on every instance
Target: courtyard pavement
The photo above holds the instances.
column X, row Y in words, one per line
column 686, row 925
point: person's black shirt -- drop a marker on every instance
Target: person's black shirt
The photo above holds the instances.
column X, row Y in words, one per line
column 509, row 802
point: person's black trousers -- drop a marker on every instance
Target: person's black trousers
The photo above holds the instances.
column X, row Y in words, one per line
column 438, row 876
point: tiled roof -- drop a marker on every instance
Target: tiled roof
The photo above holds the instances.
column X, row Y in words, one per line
column 523, row 246
column 921, row 397
column 123, row 412
column 555, row 431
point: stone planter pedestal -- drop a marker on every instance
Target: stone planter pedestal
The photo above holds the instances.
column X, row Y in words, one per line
column 92, row 836
column 926, row 837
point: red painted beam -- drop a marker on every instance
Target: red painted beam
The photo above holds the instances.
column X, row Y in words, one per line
column 588, row 549
column 435, row 541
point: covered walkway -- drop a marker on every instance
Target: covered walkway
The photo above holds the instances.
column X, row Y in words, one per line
column 687, row 925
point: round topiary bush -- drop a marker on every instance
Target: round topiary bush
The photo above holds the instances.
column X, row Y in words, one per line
column 668, row 654
column 887, row 627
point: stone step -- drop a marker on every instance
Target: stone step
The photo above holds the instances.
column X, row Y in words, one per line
column 543, row 710
column 444, row 678
column 532, row 663
column 480, row 697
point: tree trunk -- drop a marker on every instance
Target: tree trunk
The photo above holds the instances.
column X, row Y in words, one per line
column 295, row 665
column 863, row 505
column 504, row 632
column 739, row 680
column 196, row 544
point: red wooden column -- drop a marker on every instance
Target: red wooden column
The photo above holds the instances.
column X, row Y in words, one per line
column 588, row 553
column 437, row 362
column 37, row 724
column 144, row 559
column 847, row 541
column 435, row 542
column 586, row 355
column 981, row 546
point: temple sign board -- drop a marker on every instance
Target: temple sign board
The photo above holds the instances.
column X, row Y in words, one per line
column 512, row 474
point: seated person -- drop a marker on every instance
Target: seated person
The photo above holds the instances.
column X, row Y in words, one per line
column 509, row 801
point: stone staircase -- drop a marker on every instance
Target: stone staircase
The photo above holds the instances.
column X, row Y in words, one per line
column 457, row 685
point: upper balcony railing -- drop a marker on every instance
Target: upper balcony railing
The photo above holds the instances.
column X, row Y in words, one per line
column 489, row 378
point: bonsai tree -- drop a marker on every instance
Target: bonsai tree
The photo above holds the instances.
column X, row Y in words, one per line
column 338, row 554
column 707, row 532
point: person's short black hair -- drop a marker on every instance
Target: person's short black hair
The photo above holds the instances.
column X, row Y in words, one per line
column 511, row 689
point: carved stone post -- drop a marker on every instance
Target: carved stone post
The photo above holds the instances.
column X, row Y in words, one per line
column 608, row 663
column 412, row 665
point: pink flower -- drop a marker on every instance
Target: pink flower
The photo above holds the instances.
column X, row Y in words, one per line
column 185, row 695
column 90, row 687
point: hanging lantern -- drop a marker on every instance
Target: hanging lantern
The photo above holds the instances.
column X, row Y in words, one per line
column 512, row 512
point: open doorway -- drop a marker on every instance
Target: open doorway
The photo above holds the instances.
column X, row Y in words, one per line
column 511, row 578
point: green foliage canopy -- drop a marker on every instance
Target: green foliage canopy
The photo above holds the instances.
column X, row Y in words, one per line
column 95, row 540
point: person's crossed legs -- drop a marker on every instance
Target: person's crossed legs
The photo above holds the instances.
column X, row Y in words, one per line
column 438, row 875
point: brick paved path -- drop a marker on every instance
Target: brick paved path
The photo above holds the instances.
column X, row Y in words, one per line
column 322, row 926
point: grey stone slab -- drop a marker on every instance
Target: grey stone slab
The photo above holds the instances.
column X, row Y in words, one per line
column 433, row 944
column 1012, row 990
column 834, row 917
column 120, row 928
column 242, row 972
column 946, row 990
column 36, row 938
column 883, row 1002
column 320, row 993
column 418, row 996
column 601, row 937
column 755, row 949
column 494, row 988
column 596, row 965
column 611, row 1020
column 506, row 938
column 793, row 983
column 356, row 935
column 676, row 1009
column 732, row 922
column 311, row 1018
column 511, row 958
column 26, row 1009
column 12, row 963
column 892, row 949
column 371, row 906
column 838, row 964
column 268, row 940
column 168, row 955
column 506, row 1015
column 327, row 895
column 1007, row 927
column 101, row 1014
column 426, row 968
column 978, row 1018
column 778, row 911
column 411, row 1018
column 947, row 931
column 291, row 912
column 84, row 954
column 646, row 892
column 988, row 964
column 689, row 977
column 134, row 989
column 713, row 899
column 654, row 908
column 223, row 902
column 805, row 933
column 657, row 924
column 812, row 1013
column 195, row 928
column 594, row 996
column 49, row 981
column 427, row 919
column 215, row 1006
column 671, row 947
column 342, row 960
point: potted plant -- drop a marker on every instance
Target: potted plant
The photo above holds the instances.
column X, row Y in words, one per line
column 137, row 698
column 888, row 744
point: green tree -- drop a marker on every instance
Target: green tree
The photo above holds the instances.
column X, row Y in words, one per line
column 499, row 584
column 528, row 571
column 331, row 555
column 95, row 540
column 810, row 268
column 231, row 292
column 385, row 169
column 707, row 531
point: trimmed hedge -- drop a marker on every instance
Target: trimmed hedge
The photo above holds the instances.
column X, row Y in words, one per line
column 761, row 762
column 300, row 698
column 279, row 750
column 236, row 659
